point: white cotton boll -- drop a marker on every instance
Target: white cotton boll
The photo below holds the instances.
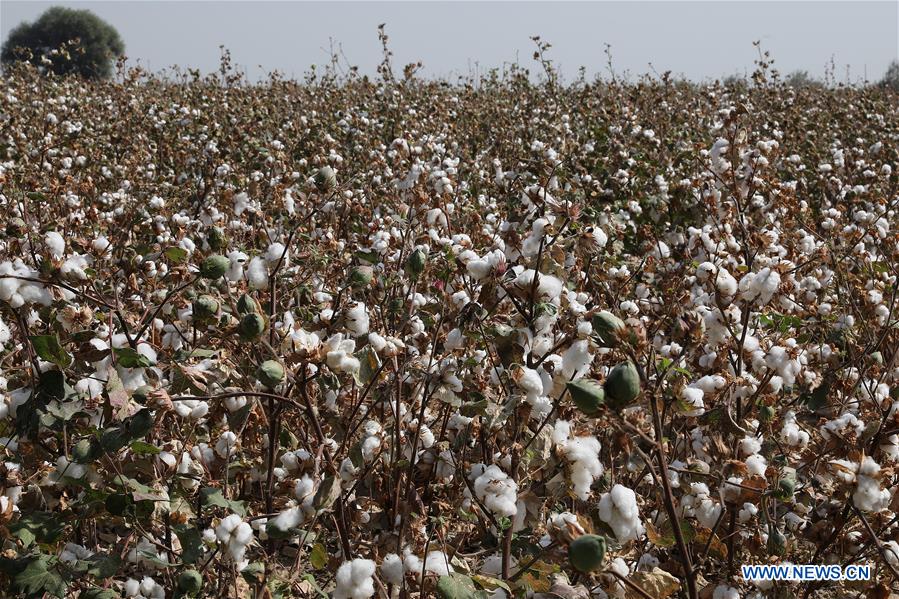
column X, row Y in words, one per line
column 55, row 244
column 582, row 454
column 868, row 495
column 790, row 433
column 747, row 512
column 528, row 380
column 693, row 404
column 722, row 591
column 286, row 520
column 274, row 253
column 497, row 491
column 725, row 283
column 5, row 334
column 756, row 465
column 392, row 569
column 355, row 580
column 193, row 409
column 576, row 360
column 357, row 320
column 235, row 270
column 618, row 508
column 241, row 202
column 257, row 273
column 845, row 424
column 891, row 552
column 660, row 250
column 437, row 562
column 750, row 445
column 226, row 445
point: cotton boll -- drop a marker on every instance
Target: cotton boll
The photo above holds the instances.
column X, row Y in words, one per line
column 437, row 562
column 236, row 535
column 357, row 320
column 257, row 273
column 392, row 569
column 576, row 360
column 868, row 495
column 355, row 580
column 582, row 454
column 55, row 244
column 723, row 591
column 497, row 491
column 618, row 508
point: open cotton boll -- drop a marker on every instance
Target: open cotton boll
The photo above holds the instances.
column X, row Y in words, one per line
column 236, row 535
column 437, row 562
column 357, row 320
column 355, row 580
column 5, row 334
column 576, row 360
column 56, row 245
column 497, row 491
column 257, row 273
column 868, row 495
column 549, row 288
column 392, row 569
column 722, row 591
column 528, row 380
column 790, row 433
column 582, row 454
column 287, row 519
column 618, row 508
column 235, row 270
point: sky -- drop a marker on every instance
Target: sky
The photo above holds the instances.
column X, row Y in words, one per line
column 699, row 39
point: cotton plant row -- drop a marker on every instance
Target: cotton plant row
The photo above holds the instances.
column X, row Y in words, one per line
column 382, row 339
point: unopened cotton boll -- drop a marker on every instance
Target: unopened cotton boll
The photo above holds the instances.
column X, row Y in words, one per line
column 355, row 580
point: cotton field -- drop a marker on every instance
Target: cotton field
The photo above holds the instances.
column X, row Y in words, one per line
column 489, row 338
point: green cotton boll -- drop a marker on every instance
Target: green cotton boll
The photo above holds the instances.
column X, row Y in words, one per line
column 270, row 373
column 246, row 304
column 216, row 238
column 190, row 581
column 205, row 307
column 214, row 266
column 326, row 178
column 587, row 394
column 587, row 552
column 361, row 276
column 622, row 386
column 607, row 328
column 415, row 265
column 251, row 326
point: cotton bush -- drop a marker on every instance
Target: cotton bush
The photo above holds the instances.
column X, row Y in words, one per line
column 326, row 333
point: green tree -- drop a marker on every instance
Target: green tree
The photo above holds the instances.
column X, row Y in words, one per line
column 891, row 77
column 47, row 43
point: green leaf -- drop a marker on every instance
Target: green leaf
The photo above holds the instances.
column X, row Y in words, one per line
column 176, row 255
column 458, row 586
column 143, row 448
column 130, row 358
column 318, row 557
column 98, row 593
column 38, row 577
column 214, row 497
column 43, row 527
column 48, row 348
column 191, row 543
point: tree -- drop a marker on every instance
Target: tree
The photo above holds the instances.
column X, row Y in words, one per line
column 891, row 77
column 64, row 41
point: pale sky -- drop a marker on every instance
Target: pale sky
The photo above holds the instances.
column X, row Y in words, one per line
column 700, row 39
